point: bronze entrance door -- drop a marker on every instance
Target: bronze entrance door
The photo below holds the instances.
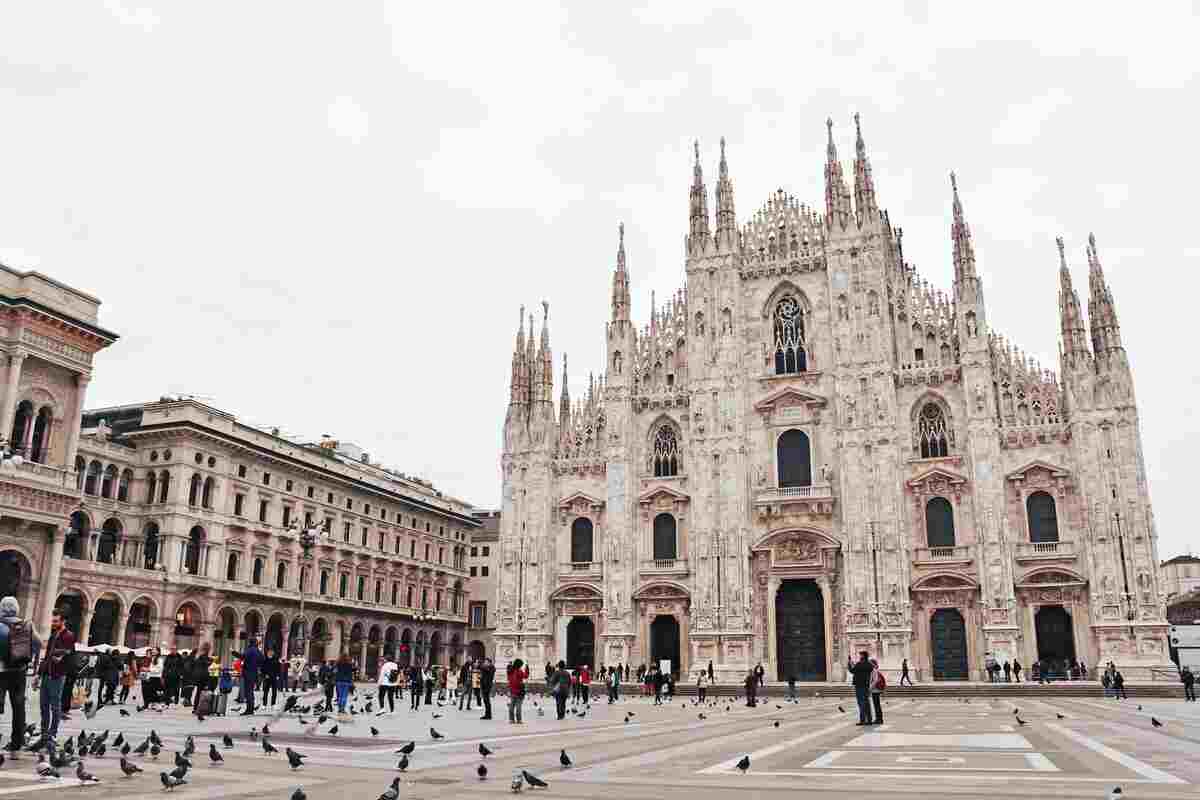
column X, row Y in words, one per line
column 664, row 641
column 581, row 642
column 1055, row 640
column 800, row 631
column 948, row 638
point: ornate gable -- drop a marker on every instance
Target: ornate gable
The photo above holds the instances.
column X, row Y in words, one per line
column 789, row 397
column 662, row 498
column 938, row 481
column 579, row 503
column 1033, row 468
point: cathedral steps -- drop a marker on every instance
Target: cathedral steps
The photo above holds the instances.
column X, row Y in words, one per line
column 921, row 691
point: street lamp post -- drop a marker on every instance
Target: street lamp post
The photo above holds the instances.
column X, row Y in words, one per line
column 307, row 536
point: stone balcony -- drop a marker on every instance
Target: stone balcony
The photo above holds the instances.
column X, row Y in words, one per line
column 817, row 498
column 38, row 492
column 1029, row 552
column 664, row 566
column 580, row 570
column 957, row 555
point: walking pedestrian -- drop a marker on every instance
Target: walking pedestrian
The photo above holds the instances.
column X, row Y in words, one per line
column 710, row 671
column 585, row 685
column 861, row 672
column 1119, row 685
column 614, row 685
column 252, row 659
column 427, row 679
column 1016, row 670
column 1187, row 676
column 560, row 685
column 343, row 681
column 464, row 683
column 487, row 679
column 752, row 682
column 904, row 676
column 389, row 675
column 878, row 684
column 129, row 677
column 701, row 686
column 415, row 686
column 1007, row 672
column 270, row 679
column 172, row 675
column 325, row 679
column 18, row 642
column 51, row 674
column 760, row 673
column 198, row 678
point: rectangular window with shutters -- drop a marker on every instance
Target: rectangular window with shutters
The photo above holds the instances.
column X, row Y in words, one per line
column 486, row 551
column 311, row 490
column 483, row 571
column 287, row 516
column 239, row 504
column 472, row 572
column 241, row 470
column 266, row 479
column 365, row 532
column 412, row 549
column 474, row 552
column 478, row 615
column 262, row 510
column 345, row 531
column 426, row 552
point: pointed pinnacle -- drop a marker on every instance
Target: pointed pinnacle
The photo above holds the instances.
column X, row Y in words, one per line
column 829, row 148
column 1062, row 254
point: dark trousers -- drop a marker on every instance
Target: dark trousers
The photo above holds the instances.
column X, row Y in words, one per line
column 904, row 677
column 560, row 704
column 68, row 690
column 387, row 694
column 862, row 696
column 269, row 688
column 464, row 696
column 12, row 686
column 701, row 693
column 124, row 695
column 487, row 702
column 1189, row 693
column 878, row 707
column 171, row 690
column 329, row 696
column 415, row 692
column 429, row 693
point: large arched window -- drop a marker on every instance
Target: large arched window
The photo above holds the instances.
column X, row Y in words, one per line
column 107, row 482
column 378, row 591
column 150, row 547
column 933, row 436
column 343, row 586
column 939, row 523
column 664, row 538
column 22, row 419
column 790, row 353
column 231, row 567
column 164, row 485
column 110, row 536
column 581, row 540
column 794, row 459
column 666, row 452
column 41, row 435
column 78, row 534
column 362, row 588
column 257, row 575
column 281, row 575
column 409, row 598
column 206, row 493
column 194, row 491
column 1043, row 517
column 324, row 582
column 192, row 557
column 80, row 471
column 91, row 483
column 123, row 485
column 151, row 484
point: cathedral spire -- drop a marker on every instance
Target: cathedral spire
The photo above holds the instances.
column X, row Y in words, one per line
column 960, row 233
column 564, row 402
column 1102, row 312
column 726, row 219
column 519, row 385
column 865, row 203
column 698, row 232
column 1074, row 340
column 620, row 292
column 837, row 196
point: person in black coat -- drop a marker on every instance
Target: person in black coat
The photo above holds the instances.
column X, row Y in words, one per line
column 270, row 678
column 172, row 675
column 199, row 679
column 415, row 686
column 487, row 678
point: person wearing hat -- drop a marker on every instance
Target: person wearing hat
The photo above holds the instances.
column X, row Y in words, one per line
column 12, row 672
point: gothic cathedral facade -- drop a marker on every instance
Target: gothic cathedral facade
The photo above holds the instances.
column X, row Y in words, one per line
column 808, row 452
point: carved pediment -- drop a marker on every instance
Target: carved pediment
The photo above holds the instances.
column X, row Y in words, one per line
column 1037, row 468
column 661, row 591
column 580, row 499
column 794, row 540
column 577, row 591
column 660, row 494
column 945, row 582
column 789, row 397
column 937, row 480
column 1056, row 576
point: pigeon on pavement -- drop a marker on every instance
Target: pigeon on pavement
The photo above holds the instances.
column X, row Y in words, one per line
column 408, row 748
column 402, row 764
column 295, row 760
column 744, row 764
column 214, row 756
column 564, row 759
column 83, row 775
column 481, row 771
column 333, row 731
column 227, row 740
column 129, row 769
column 169, row 782
column 533, row 780
column 299, row 794
column 392, row 792
column 434, row 734
column 483, row 750
column 268, row 748
column 1155, row 722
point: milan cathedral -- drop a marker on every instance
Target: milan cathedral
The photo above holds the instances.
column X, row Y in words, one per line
column 808, row 452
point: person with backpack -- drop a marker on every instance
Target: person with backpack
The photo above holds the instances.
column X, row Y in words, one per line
column 878, row 684
column 17, row 643
column 560, row 687
column 52, row 672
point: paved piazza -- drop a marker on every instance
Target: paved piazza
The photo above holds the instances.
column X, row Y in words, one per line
column 971, row 749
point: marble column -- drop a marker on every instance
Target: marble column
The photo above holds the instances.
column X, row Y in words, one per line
column 827, row 608
column 12, row 390
column 122, row 623
column 772, row 666
column 50, row 580
column 85, row 626
column 81, row 382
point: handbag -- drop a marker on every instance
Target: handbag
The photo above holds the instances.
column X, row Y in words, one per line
column 79, row 696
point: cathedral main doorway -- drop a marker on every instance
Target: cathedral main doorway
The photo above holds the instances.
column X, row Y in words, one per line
column 948, row 638
column 664, row 641
column 1055, row 639
column 800, row 631
column 581, row 642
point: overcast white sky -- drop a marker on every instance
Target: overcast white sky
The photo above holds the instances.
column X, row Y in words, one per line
column 325, row 216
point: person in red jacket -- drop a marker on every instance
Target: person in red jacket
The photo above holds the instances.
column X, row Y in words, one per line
column 518, row 673
column 585, row 684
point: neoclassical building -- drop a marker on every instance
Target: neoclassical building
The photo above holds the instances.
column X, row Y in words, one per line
column 809, row 451
column 49, row 334
column 188, row 532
